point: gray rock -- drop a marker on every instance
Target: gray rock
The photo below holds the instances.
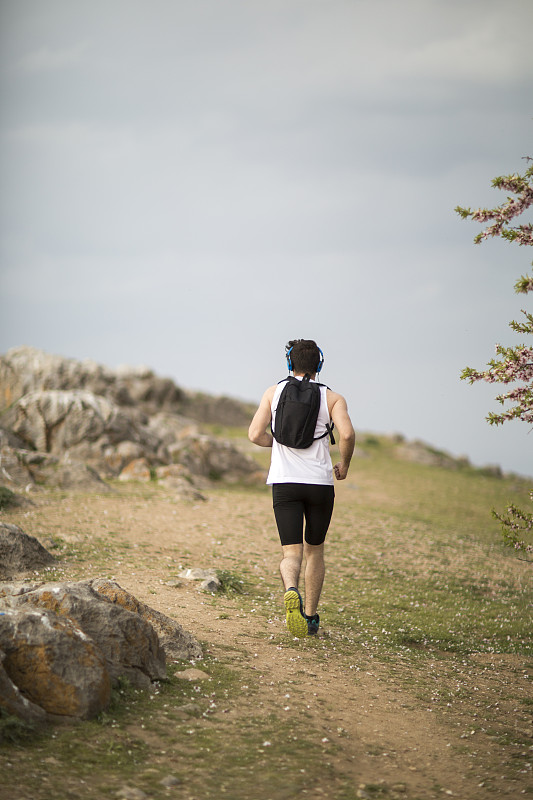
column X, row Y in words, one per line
column 136, row 470
column 9, row 439
column 170, row 428
column 20, row 552
column 177, row 643
column 212, row 458
column 197, row 574
column 53, row 664
column 14, row 702
column 178, row 478
column 116, row 457
column 53, row 421
column 70, row 474
column 209, row 579
column 192, row 675
column 210, row 585
column 14, row 472
column 128, row 642
column 170, row 781
column 63, row 645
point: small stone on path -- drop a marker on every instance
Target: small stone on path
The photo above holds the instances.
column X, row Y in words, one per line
column 169, row 781
column 192, row 675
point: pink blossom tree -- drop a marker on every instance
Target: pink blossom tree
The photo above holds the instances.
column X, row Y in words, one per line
column 513, row 366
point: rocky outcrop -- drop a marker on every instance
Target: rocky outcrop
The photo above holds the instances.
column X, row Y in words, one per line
column 74, row 424
column 64, row 645
column 26, row 369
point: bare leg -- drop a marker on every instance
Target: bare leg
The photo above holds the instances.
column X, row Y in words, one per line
column 291, row 564
column 315, row 569
column 290, row 567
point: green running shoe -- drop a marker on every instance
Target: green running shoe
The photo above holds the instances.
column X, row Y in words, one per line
column 312, row 624
column 296, row 622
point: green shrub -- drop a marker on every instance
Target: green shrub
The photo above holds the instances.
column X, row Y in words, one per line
column 7, row 497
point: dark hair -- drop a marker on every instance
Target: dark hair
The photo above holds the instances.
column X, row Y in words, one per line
column 304, row 355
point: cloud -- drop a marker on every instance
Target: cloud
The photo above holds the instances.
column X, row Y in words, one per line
column 48, row 59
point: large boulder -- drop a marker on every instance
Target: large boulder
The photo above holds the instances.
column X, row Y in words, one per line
column 63, row 645
column 128, row 642
column 20, row 552
column 53, row 664
column 177, row 643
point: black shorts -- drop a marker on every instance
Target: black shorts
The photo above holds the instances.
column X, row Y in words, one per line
column 294, row 502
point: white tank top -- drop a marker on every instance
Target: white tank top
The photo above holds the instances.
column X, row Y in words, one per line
column 312, row 465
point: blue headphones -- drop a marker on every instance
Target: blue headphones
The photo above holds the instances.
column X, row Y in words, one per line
column 289, row 359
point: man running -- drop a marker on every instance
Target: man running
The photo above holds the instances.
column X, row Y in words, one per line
column 302, row 485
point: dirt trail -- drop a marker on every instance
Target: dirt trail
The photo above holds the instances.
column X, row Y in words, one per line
column 368, row 723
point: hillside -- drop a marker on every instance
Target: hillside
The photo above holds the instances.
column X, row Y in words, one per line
column 418, row 685
column 77, row 425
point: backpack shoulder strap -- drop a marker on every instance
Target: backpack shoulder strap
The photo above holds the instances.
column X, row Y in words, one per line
column 331, row 425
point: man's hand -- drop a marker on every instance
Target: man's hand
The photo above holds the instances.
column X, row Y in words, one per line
column 341, row 471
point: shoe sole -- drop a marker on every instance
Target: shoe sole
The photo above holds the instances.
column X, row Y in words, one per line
column 296, row 623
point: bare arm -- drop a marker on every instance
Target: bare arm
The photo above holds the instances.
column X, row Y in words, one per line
column 339, row 414
column 257, row 432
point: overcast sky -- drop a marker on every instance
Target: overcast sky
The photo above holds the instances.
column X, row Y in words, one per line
column 188, row 185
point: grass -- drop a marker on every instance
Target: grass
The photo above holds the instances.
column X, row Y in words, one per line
column 130, row 742
column 420, row 591
column 14, row 730
column 231, row 583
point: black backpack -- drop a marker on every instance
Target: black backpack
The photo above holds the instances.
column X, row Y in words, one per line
column 297, row 414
